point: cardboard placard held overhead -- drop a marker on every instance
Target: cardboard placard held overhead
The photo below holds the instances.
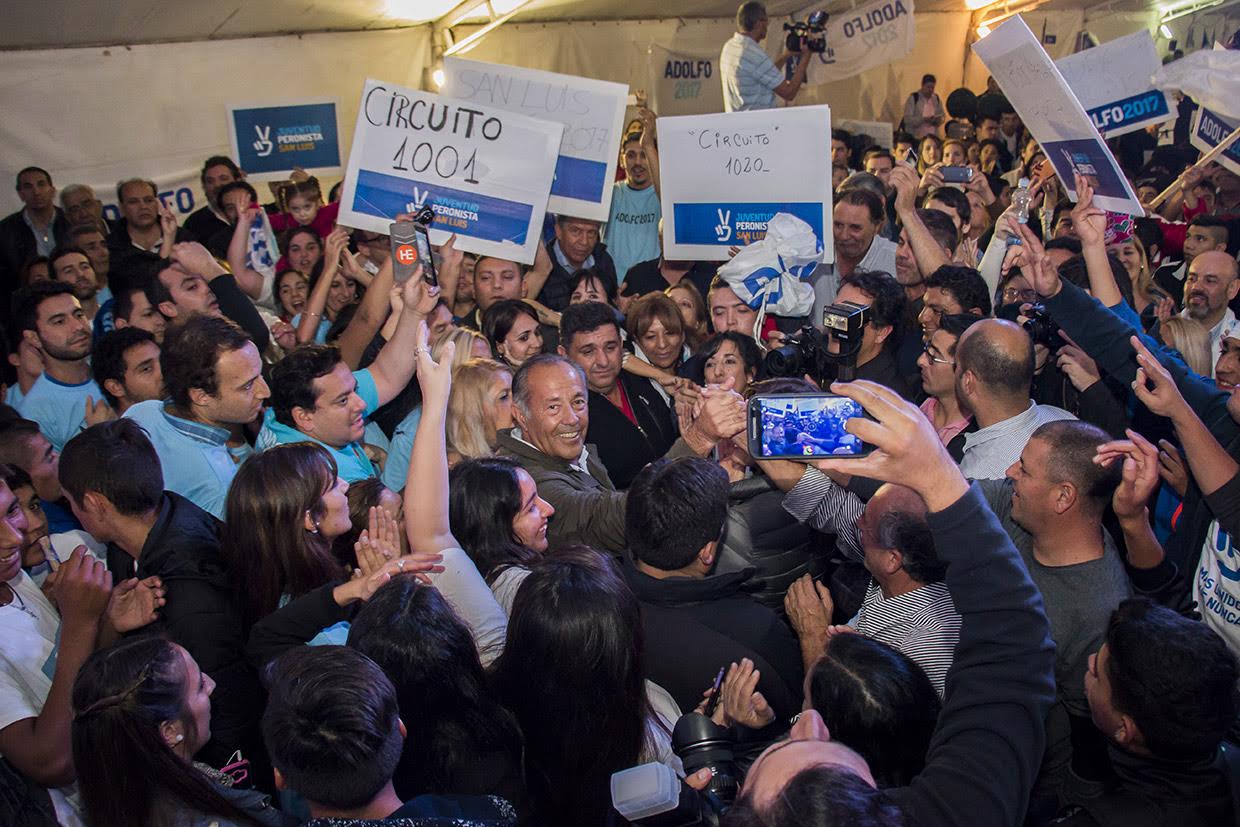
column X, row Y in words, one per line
column 485, row 172
column 723, row 177
column 269, row 141
column 1209, row 130
column 1049, row 110
column 591, row 111
column 1112, row 81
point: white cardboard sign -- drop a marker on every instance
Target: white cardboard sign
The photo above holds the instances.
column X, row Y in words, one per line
column 723, row 176
column 485, row 172
column 1113, row 82
column 1042, row 98
column 592, row 112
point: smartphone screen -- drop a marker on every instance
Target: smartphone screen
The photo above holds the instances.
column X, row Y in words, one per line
column 411, row 246
column 957, row 175
column 423, row 240
column 796, row 426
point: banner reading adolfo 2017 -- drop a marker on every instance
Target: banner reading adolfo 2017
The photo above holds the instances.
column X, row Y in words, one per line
column 873, row 34
column 485, row 172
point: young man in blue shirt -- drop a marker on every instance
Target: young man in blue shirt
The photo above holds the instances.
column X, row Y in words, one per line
column 51, row 318
column 315, row 397
column 632, row 230
column 213, row 381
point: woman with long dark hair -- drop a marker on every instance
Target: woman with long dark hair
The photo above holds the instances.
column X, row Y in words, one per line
column 500, row 521
column 283, row 510
column 571, row 672
column 460, row 739
column 878, row 701
column 142, row 708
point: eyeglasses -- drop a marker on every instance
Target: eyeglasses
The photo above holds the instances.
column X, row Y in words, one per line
column 938, row 360
column 1011, row 294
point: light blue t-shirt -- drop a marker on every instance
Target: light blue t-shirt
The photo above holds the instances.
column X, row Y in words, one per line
column 396, row 472
column 59, row 409
column 632, row 231
column 320, row 333
column 352, row 464
column 14, row 396
column 194, row 456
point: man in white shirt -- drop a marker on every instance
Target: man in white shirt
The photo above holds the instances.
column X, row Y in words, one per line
column 1213, row 281
column 994, row 370
column 751, row 80
column 858, row 216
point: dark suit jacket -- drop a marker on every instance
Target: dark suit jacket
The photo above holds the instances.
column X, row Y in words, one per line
column 624, row 448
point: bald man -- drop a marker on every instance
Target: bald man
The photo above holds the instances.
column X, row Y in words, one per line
column 906, row 604
column 1212, row 282
column 994, row 369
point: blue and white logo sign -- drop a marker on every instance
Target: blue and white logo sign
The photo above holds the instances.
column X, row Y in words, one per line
column 269, row 141
column 724, row 176
column 1209, row 130
column 485, row 172
column 1112, row 82
column 592, row 112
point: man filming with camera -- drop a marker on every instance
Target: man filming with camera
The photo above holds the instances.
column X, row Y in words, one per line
column 751, row 80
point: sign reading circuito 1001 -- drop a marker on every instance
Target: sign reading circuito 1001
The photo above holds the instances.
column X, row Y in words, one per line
column 401, row 112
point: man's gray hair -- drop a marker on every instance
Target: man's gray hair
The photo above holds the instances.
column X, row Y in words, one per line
column 120, row 187
column 75, row 189
column 521, row 381
column 748, row 15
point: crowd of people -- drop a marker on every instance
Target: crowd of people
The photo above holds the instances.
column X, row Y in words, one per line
column 305, row 544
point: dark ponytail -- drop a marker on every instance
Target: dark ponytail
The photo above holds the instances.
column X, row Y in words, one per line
column 126, row 772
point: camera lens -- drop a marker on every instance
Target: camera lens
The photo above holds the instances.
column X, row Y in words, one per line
column 700, row 742
column 784, row 361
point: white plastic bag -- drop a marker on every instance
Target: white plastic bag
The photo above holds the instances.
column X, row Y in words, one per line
column 772, row 275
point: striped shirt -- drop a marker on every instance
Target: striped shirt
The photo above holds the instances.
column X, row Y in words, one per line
column 990, row 451
column 749, row 75
column 922, row 624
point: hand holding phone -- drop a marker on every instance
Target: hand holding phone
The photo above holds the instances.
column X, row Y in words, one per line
column 411, row 246
column 803, row 426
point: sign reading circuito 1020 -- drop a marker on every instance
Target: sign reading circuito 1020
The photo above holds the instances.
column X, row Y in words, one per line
column 723, row 176
column 486, row 173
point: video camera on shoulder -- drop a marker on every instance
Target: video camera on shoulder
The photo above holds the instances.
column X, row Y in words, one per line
column 809, row 35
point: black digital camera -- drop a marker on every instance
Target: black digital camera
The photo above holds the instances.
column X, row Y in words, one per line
column 1041, row 328
column 809, row 35
column 806, row 350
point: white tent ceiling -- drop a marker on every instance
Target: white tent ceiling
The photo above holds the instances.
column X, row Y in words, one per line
column 43, row 24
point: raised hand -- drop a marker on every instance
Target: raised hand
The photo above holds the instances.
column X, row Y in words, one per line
column 810, row 607
column 1089, row 222
column 97, row 412
column 82, row 588
column 435, row 378
column 1171, row 467
column 1037, row 266
column 907, row 448
column 741, row 703
column 1153, row 386
column 1140, row 473
column 192, row 257
column 135, row 603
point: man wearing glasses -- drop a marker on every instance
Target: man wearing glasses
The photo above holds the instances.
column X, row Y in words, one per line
column 938, row 381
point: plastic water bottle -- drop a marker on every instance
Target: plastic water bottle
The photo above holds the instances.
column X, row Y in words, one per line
column 1020, row 200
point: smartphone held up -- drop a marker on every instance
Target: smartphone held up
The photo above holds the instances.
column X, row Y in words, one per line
column 411, row 247
column 803, row 426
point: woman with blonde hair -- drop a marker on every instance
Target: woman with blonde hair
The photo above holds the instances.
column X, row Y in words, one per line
column 1191, row 338
column 1145, row 294
column 470, row 344
column 480, row 406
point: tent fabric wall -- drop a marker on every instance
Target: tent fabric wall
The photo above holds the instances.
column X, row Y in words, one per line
column 617, row 51
column 96, row 116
